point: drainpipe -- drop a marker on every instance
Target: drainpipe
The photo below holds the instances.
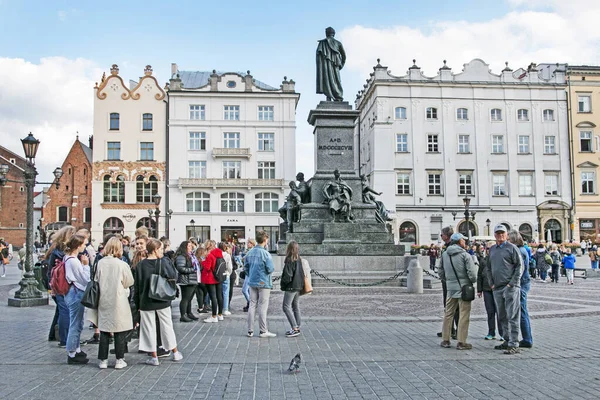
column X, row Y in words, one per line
column 167, row 202
column 571, row 152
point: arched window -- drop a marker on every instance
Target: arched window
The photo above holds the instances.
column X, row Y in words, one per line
column 431, row 113
column 496, row 114
column 146, row 189
column 114, row 189
column 197, row 202
column 553, row 231
column 113, row 226
column 522, row 115
column 400, row 113
column 114, row 121
column 507, row 225
column 465, row 229
column 148, row 223
column 462, row 114
column 408, row 233
column 147, row 122
column 267, row 202
column 526, row 232
column 232, row 202
column 548, row 115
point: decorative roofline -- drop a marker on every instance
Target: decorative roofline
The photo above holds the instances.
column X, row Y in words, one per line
column 129, row 94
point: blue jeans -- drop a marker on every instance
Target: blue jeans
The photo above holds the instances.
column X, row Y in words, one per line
column 594, row 264
column 225, row 285
column 76, row 309
column 63, row 318
column 525, row 324
column 246, row 289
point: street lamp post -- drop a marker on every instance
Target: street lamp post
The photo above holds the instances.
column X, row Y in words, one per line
column 193, row 223
column 29, row 294
column 487, row 224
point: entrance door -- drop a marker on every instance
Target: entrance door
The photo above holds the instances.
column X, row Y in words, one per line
column 553, row 231
column 232, row 234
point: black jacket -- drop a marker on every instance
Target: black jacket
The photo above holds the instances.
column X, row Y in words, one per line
column 145, row 269
column 292, row 277
column 482, row 282
column 187, row 275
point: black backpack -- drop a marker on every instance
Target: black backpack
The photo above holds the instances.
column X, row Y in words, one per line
column 220, row 271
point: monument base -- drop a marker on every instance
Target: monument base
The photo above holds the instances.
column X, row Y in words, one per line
column 15, row 302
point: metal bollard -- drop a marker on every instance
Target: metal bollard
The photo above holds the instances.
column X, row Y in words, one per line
column 414, row 280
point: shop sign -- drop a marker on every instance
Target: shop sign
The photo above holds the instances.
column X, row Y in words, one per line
column 586, row 224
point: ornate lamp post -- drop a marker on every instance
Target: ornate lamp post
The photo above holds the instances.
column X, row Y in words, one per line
column 487, row 224
column 156, row 212
column 193, row 223
column 468, row 215
column 29, row 294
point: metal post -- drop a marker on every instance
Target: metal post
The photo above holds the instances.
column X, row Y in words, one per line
column 156, row 214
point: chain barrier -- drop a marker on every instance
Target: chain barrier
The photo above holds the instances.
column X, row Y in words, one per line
column 381, row 282
column 427, row 272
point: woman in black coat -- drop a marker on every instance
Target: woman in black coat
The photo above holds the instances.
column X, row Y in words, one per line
column 292, row 283
column 187, row 280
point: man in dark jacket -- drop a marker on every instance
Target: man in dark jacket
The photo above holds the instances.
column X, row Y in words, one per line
column 445, row 234
column 484, row 289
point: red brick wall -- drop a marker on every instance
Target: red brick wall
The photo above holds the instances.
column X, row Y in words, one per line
column 75, row 191
column 13, row 200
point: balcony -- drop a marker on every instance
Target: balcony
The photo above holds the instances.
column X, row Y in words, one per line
column 231, row 152
column 220, row 182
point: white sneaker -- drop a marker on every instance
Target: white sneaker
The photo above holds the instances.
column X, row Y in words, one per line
column 227, row 313
column 152, row 361
column 220, row 317
column 120, row 364
column 267, row 334
column 177, row 356
column 4, row 276
column 211, row 319
column 103, row 364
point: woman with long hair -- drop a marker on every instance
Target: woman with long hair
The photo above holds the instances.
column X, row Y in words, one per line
column 201, row 289
column 292, row 283
column 215, row 289
column 187, row 280
column 226, row 250
column 150, row 309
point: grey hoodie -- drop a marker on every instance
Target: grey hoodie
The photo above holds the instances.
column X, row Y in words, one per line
column 505, row 266
column 464, row 266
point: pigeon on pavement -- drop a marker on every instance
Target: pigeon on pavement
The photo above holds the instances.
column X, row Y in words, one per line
column 295, row 364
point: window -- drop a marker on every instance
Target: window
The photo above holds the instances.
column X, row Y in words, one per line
column 113, row 151
column 149, row 223
column 113, row 226
column 497, row 144
column 496, row 114
column 526, row 232
column 265, row 113
column 266, row 142
column 231, row 140
column 463, row 144
column 585, row 103
column 526, row 184
column 232, row 202
column 548, row 115
column 551, row 184
column 403, row 181
column 462, row 114
column 232, row 169
column 402, row 142
column 147, row 122
column 266, row 170
column 522, row 115
column 197, row 202
column 587, row 182
column 431, row 113
column 231, row 113
column 197, row 169
column 549, row 145
column 266, row 202
column 434, row 183
column 114, row 121
column 524, row 144
column 432, row 143
column 499, row 184
column 87, row 214
column 63, row 214
column 400, row 113
column 114, row 189
column 145, row 189
column 197, row 112
column 197, row 140
column 147, row 151
column 465, row 184
column 231, row 84
column 585, row 141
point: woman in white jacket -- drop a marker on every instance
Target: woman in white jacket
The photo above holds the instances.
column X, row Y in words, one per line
column 226, row 249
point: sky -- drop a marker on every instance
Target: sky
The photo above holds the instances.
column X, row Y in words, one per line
column 52, row 51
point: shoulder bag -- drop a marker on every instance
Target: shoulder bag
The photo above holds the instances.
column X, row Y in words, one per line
column 91, row 296
column 161, row 288
column 467, row 292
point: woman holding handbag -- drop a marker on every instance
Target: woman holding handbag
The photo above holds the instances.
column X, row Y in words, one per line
column 151, row 308
column 292, row 283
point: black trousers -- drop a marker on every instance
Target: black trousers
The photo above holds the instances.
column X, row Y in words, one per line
column 187, row 293
column 232, row 278
column 53, row 325
column 120, row 343
column 216, row 298
column 201, row 292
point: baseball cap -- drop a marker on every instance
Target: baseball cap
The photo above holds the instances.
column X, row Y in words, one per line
column 457, row 236
column 500, row 228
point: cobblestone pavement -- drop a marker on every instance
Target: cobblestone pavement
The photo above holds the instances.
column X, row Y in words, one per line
column 375, row 343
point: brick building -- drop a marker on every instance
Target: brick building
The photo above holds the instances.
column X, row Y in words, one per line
column 71, row 203
column 13, row 198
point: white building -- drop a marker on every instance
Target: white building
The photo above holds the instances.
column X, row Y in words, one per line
column 129, row 154
column 500, row 140
column 232, row 153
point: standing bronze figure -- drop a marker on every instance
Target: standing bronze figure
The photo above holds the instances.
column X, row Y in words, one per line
column 331, row 58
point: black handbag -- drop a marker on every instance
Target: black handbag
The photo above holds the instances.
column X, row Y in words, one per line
column 467, row 292
column 91, row 296
column 161, row 288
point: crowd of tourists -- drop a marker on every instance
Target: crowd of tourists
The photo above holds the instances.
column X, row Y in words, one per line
column 134, row 277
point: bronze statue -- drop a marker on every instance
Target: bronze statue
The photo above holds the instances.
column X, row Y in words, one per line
column 339, row 196
column 331, row 58
column 303, row 188
column 299, row 194
column 369, row 198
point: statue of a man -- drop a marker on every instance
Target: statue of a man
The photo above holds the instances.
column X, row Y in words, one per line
column 339, row 197
column 331, row 58
column 369, row 198
column 303, row 188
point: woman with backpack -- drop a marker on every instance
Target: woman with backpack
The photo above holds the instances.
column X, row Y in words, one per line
column 214, row 287
column 292, row 283
column 187, row 280
column 543, row 261
column 556, row 257
column 593, row 253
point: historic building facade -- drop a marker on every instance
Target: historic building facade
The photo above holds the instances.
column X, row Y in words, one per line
column 499, row 140
column 129, row 154
column 13, row 199
column 232, row 153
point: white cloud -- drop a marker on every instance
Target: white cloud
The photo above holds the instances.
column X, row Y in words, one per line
column 62, row 15
column 52, row 99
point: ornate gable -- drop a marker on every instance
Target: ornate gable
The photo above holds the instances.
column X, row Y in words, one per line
column 148, row 84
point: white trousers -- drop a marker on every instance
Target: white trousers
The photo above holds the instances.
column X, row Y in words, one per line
column 148, row 330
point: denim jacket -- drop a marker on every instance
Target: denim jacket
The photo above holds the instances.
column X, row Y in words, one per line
column 258, row 267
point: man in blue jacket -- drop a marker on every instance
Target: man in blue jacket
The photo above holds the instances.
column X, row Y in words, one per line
column 258, row 267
